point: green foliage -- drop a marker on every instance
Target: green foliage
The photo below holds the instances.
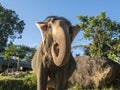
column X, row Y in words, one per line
column 19, row 51
column 29, row 82
column 75, row 87
column 9, row 52
column 104, row 33
column 11, row 26
column 26, row 83
column 115, row 85
column 79, row 87
column 29, row 52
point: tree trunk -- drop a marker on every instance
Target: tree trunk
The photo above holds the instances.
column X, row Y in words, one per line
column 18, row 65
column 8, row 65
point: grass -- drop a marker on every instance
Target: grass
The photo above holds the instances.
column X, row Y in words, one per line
column 28, row 82
column 110, row 87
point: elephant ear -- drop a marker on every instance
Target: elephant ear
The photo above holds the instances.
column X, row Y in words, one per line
column 43, row 28
column 75, row 31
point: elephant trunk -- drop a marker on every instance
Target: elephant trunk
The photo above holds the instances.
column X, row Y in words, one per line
column 61, row 47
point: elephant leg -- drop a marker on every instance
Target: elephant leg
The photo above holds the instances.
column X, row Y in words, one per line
column 71, row 67
column 65, row 86
column 63, row 76
column 42, row 77
column 60, row 83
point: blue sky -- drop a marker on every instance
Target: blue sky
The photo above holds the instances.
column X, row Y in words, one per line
column 31, row 11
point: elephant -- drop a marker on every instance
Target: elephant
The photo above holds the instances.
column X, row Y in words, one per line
column 53, row 62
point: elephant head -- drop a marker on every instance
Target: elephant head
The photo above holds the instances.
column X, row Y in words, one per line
column 62, row 34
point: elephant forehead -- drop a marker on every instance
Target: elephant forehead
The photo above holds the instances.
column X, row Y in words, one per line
column 53, row 19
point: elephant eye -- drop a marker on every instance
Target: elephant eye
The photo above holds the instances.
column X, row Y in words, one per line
column 49, row 27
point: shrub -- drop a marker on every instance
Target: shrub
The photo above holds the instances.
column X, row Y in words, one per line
column 26, row 83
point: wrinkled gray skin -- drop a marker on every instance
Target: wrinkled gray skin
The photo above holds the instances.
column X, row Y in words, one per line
column 53, row 62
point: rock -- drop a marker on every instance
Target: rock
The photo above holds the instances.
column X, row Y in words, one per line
column 94, row 72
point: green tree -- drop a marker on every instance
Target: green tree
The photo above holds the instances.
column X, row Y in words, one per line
column 104, row 33
column 11, row 26
column 24, row 53
column 29, row 53
column 19, row 52
column 9, row 53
